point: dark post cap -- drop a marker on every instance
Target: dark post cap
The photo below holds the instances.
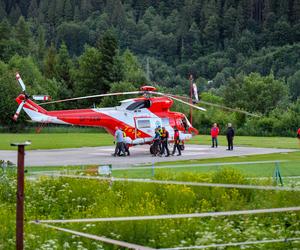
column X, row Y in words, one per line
column 26, row 143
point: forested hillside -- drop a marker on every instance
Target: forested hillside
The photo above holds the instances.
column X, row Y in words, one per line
column 242, row 53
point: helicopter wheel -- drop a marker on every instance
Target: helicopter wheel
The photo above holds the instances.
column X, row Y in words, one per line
column 152, row 149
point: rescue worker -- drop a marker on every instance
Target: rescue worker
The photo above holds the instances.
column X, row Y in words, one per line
column 214, row 132
column 230, row 136
column 119, row 142
column 156, row 142
column 125, row 144
column 176, row 142
column 160, row 131
column 164, row 142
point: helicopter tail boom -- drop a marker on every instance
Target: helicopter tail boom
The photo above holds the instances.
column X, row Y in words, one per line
column 34, row 111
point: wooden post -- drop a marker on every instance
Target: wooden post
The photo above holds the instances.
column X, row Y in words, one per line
column 20, row 196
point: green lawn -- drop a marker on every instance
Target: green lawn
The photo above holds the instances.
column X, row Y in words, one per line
column 56, row 141
column 75, row 140
column 290, row 168
column 289, row 164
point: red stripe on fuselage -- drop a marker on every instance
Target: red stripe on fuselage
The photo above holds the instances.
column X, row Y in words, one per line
column 89, row 117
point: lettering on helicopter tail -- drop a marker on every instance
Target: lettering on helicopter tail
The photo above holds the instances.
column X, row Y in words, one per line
column 89, row 118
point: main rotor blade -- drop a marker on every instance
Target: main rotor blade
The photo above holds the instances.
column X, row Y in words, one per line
column 177, row 99
column 93, row 96
column 230, row 109
column 220, row 106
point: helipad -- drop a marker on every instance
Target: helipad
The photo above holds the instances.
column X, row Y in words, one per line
column 139, row 155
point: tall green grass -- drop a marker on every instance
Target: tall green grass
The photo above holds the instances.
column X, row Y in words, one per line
column 65, row 198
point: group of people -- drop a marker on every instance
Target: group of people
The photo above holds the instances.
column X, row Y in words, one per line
column 214, row 132
column 161, row 137
column 160, row 142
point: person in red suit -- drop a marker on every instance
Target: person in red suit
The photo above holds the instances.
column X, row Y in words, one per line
column 298, row 135
column 214, row 132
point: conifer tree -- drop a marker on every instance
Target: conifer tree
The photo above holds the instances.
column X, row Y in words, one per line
column 33, row 9
column 15, row 14
column 2, row 11
column 41, row 43
column 64, row 65
column 110, row 63
column 50, row 62
column 23, row 35
column 68, row 11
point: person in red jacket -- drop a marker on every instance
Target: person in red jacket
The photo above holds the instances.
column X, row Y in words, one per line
column 176, row 142
column 298, row 135
column 214, row 132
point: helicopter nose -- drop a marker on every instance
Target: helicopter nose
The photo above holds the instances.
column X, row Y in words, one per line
column 193, row 131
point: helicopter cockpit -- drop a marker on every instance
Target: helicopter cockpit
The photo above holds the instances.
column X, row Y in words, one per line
column 139, row 105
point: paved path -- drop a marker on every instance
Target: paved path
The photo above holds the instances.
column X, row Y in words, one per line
column 139, row 155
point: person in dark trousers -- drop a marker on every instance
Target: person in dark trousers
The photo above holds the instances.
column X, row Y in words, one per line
column 119, row 142
column 176, row 142
column 164, row 142
column 214, row 132
column 230, row 136
column 156, row 142
column 160, row 131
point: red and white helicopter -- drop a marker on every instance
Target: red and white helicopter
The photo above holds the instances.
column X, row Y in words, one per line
column 138, row 117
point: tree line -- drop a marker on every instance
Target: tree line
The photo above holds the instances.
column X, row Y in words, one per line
column 242, row 53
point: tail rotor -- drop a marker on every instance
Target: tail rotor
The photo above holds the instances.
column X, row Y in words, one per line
column 16, row 115
column 23, row 87
column 22, row 99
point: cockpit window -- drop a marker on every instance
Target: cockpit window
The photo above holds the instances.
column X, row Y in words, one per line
column 139, row 105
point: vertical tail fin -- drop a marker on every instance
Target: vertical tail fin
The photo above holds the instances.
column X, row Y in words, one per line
column 34, row 111
column 30, row 104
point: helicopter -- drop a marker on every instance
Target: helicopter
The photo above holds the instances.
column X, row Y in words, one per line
column 137, row 117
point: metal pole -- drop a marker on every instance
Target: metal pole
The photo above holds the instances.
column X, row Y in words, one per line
column 20, row 196
column 152, row 169
column 191, row 100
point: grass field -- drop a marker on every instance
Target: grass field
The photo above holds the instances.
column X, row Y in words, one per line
column 69, row 198
column 75, row 140
column 51, row 198
column 287, row 169
column 289, row 166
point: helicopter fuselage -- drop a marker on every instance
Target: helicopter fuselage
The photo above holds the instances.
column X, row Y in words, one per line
column 138, row 118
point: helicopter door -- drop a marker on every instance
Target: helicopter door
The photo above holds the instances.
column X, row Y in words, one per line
column 147, row 125
column 167, row 124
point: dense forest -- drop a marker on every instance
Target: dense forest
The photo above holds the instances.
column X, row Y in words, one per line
column 242, row 53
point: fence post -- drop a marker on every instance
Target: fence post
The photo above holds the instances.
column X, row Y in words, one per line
column 277, row 175
column 152, row 169
column 20, row 195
